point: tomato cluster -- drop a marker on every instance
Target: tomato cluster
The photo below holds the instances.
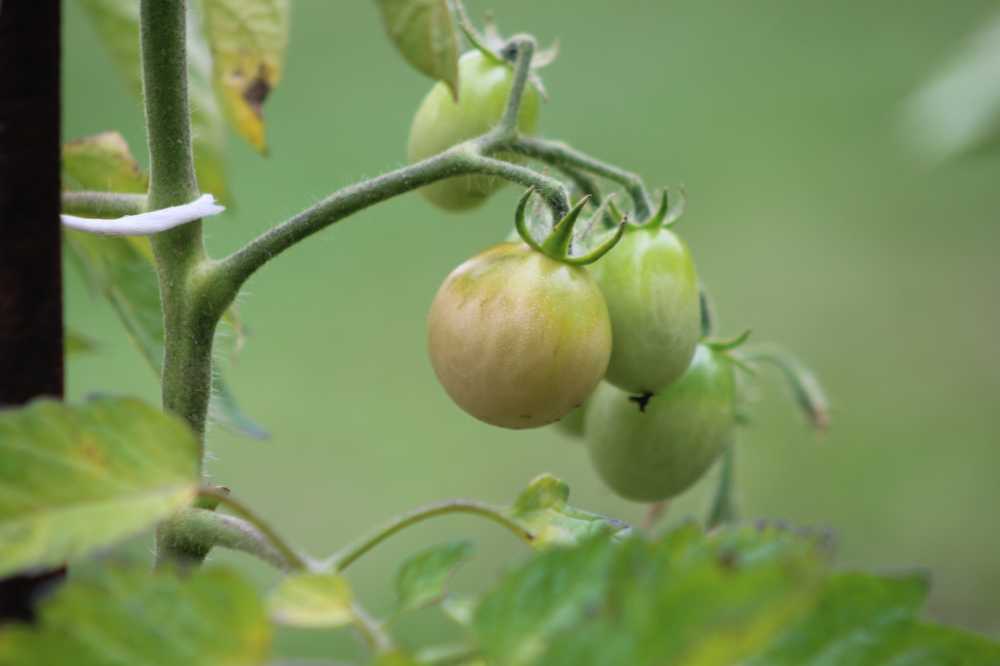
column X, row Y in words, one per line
column 610, row 344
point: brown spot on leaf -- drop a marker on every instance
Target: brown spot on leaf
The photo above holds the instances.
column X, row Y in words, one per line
column 255, row 93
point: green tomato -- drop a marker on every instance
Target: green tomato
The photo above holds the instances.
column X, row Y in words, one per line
column 518, row 339
column 651, row 288
column 572, row 423
column 441, row 122
column 659, row 451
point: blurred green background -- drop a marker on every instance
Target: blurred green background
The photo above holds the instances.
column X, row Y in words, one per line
column 810, row 218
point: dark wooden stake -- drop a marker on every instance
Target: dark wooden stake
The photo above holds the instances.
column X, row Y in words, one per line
column 31, row 327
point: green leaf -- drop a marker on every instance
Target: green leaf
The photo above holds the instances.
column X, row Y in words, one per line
column 426, row 35
column 543, row 510
column 248, row 40
column 321, row 600
column 211, row 618
column 102, row 162
column 422, row 579
column 688, row 598
column 74, row 479
column 117, row 25
column 122, row 269
column 864, row 619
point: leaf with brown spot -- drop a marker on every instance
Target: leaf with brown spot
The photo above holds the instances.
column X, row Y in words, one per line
column 117, row 25
column 248, row 40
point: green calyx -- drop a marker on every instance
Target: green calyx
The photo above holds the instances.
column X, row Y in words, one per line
column 668, row 212
column 729, row 344
column 557, row 244
column 725, row 346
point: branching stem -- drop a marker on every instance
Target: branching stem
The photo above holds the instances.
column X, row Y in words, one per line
column 346, row 557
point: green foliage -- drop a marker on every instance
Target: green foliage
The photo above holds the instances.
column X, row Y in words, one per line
column 322, row 600
column 863, row 619
column 685, row 599
column 248, row 40
column 423, row 577
column 542, row 508
column 75, row 479
column 212, row 618
column 122, row 270
column 117, row 24
column 426, row 34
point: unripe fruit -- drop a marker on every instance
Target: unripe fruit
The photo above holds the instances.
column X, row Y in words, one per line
column 441, row 122
column 658, row 451
column 651, row 288
column 518, row 339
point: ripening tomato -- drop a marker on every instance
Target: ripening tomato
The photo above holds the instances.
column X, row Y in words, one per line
column 441, row 122
column 517, row 338
column 651, row 288
column 657, row 451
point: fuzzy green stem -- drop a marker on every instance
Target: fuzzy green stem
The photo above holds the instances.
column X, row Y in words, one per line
column 102, row 204
column 189, row 321
column 345, row 558
column 723, row 508
column 558, row 154
column 524, row 46
column 188, row 537
column 293, row 560
column 465, row 158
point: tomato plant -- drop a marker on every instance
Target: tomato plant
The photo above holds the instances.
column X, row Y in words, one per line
column 519, row 336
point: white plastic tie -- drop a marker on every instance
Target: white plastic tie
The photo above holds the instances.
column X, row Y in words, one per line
column 146, row 224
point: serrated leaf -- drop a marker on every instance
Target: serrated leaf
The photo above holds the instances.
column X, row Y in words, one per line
column 863, row 619
column 543, row 510
column 211, row 618
column 122, row 268
column 422, row 578
column 425, row 33
column 688, row 598
column 117, row 25
column 321, row 600
column 247, row 40
column 74, row 479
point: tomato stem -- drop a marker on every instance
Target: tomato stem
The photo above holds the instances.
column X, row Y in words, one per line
column 558, row 153
column 343, row 559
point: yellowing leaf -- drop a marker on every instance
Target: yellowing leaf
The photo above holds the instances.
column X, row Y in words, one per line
column 248, row 40
column 117, row 25
column 77, row 478
column 139, row 617
column 424, row 32
column 313, row 600
column 543, row 510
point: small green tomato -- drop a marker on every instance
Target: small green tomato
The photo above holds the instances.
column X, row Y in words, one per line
column 658, row 451
column 441, row 122
column 651, row 288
